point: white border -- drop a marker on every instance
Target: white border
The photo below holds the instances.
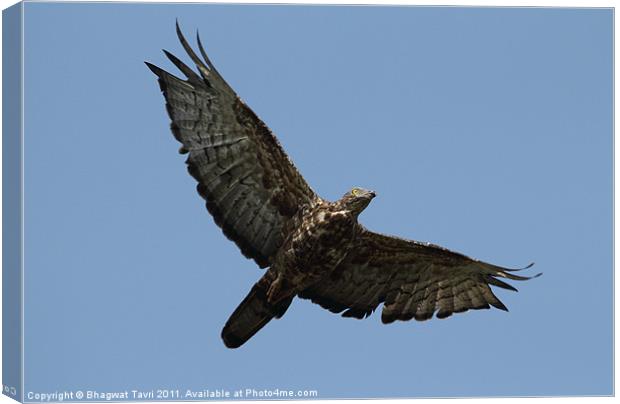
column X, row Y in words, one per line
column 448, row 3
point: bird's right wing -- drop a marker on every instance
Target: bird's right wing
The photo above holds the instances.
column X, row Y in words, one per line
column 251, row 187
column 412, row 279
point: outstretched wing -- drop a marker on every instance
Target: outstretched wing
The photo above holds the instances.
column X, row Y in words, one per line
column 251, row 187
column 412, row 279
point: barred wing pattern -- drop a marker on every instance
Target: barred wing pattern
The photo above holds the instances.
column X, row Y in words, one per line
column 412, row 279
column 250, row 185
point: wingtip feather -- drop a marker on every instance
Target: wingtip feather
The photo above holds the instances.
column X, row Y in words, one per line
column 500, row 284
column 531, row 264
column 204, row 69
column 202, row 51
column 187, row 71
column 499, row 305
column 154, row 69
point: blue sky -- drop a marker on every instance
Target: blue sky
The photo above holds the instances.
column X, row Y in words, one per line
column 487, row 131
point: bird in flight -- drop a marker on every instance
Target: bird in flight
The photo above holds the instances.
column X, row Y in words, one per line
column 312, row 248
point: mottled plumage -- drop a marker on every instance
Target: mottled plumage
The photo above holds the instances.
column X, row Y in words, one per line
column 313, row 248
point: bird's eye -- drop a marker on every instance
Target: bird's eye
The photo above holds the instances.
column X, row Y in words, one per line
column 355, row 191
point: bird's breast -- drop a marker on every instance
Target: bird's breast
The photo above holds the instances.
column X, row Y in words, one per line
column 321, row 240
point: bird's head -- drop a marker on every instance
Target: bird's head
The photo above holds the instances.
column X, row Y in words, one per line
column 357, row 199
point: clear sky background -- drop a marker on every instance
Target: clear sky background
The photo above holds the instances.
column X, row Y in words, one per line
column 488, row 131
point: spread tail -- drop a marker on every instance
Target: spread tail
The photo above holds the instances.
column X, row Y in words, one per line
column 252, row 315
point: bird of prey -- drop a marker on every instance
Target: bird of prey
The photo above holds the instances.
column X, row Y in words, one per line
column 312, row 248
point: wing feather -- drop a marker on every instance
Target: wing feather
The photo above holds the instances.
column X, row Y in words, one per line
column 251, row 187
column 412, row 279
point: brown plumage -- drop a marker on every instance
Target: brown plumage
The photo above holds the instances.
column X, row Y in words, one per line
column 313, row 248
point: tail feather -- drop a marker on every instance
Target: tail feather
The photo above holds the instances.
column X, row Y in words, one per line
column 250, row 316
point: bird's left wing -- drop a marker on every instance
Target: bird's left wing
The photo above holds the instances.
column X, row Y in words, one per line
column 412, row 279
column 251, row 187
